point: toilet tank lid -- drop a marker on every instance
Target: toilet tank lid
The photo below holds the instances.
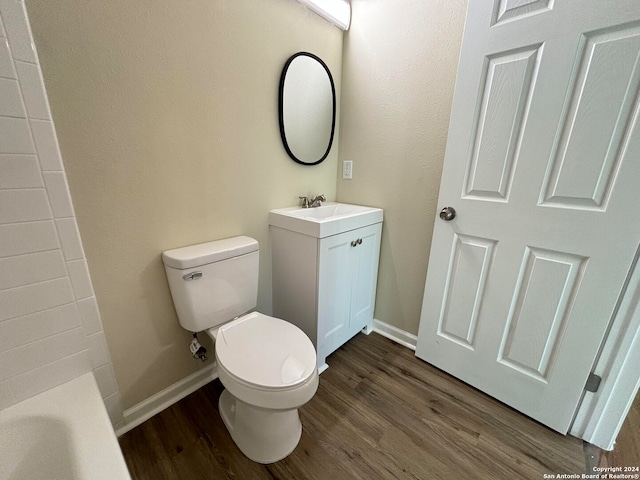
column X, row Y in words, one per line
column 210, row 252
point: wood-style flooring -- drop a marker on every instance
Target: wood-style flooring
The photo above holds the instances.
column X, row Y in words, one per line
column 379, row 413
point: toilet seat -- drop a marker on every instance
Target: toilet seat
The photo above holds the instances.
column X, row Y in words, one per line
column 265, row 353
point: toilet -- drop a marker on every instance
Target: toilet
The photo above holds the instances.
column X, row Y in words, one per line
column 267, row 365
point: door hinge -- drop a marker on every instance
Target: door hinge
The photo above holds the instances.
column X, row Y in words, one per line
column 593, row 382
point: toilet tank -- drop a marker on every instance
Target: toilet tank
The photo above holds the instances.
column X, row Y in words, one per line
column 214, row 282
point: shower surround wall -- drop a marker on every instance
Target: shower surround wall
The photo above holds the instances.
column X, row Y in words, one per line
column 50, row 326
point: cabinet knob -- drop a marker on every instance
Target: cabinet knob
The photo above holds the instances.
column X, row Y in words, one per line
column 354, row 243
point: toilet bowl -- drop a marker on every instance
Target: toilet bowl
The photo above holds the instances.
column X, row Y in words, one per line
column 267, row 365
column 268, row 369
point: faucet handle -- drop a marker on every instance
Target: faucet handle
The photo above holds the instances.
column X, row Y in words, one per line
column 317, row 200
column 305, row 202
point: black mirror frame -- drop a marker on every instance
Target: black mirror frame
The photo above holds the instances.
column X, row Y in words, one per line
column 281, row 108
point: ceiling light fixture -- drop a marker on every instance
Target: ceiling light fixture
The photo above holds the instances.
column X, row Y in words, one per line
column 337, row 12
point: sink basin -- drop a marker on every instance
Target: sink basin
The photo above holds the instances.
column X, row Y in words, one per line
column 329, row 219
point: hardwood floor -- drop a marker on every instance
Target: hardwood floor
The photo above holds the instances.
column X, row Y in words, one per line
column 380, row 413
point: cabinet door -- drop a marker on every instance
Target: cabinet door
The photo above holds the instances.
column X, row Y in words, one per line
column 335, row 278
column 347, row 276
column 365, row 277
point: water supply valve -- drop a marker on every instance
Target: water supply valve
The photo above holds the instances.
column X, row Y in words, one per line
column 197, row 350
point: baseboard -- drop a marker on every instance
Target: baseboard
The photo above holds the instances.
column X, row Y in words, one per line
column 394, row 333
column 146, row 409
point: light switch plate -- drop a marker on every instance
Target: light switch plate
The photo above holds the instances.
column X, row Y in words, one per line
column 347, row 170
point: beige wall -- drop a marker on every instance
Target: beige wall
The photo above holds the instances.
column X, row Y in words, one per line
column 166, row 114
column 167, row 121
column 399, row 67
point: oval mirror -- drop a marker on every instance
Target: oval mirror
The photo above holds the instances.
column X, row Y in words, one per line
column 307, row 108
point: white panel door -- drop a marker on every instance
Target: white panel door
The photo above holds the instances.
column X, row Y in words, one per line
column 543, row 168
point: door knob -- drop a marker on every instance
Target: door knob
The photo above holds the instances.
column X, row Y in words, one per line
column 447, row 214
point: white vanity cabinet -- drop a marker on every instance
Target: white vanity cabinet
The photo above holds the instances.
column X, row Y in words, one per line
column 326, row 286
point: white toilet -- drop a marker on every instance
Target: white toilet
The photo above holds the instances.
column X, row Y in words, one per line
column 267, row 365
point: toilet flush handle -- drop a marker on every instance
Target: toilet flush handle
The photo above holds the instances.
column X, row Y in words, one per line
column 192, row 276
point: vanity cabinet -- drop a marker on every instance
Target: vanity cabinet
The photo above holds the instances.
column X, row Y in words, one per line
column 326, row 286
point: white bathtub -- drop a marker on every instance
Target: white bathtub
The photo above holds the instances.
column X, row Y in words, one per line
column 61, row 434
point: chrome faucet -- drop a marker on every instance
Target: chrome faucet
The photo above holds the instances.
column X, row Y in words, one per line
column 306, row 202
